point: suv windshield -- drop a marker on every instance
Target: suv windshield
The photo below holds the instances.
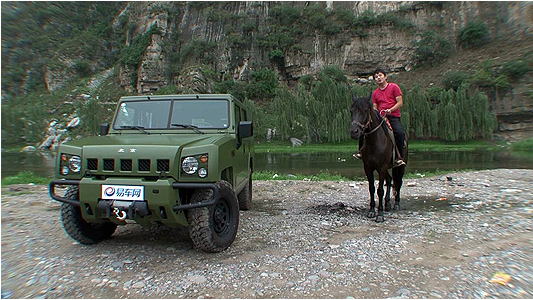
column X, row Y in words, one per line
column 161, row 114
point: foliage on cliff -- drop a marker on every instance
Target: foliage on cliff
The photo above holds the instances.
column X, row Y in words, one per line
column 51, row 52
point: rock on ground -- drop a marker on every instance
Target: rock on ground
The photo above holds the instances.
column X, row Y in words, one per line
column 300, row 240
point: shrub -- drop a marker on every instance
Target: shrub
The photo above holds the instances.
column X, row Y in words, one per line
column 502, row 83
column 276, row 55
column 483, row 78
column 454, row 79
column 82, row 68
column 315, row 17
column 334, row 72
column 367, row 18
column 263, row 84
column 431, row 49
column 132, row 55
column 515, row 69
column 306, row 80
column 474, row 34
column 285, row 14
column 346, row 16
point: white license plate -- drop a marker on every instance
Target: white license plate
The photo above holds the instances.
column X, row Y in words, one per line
column 123, row 192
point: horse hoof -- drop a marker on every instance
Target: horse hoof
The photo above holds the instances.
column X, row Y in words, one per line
column 380, row 219
column 396, row 207
column 371, row 214
column 388, row 207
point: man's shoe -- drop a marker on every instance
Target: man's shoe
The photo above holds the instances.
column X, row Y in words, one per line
column 358, row 155
column 399, row 163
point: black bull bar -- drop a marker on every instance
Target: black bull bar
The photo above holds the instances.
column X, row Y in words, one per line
column 175, row 185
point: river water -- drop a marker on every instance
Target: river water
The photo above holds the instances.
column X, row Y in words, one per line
column 341, row 163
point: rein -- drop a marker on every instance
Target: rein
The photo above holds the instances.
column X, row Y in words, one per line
column 364, row 127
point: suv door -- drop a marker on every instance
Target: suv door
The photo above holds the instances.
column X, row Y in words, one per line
column 242, row 166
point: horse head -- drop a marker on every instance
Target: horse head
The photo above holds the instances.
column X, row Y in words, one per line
column 361, row 117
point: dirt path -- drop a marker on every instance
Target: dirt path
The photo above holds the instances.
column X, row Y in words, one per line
column 301, row 240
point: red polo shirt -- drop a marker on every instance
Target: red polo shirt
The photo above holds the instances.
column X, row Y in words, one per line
column 386, row 98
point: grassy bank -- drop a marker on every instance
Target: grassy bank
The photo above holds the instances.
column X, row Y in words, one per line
column 30, row 178
column 25, row 177
column 525, row 145
column 279, row 147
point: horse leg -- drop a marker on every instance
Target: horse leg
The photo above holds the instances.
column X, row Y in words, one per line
column 371, row 190
column 398, row 181
column 387, row 194
column 380, row 217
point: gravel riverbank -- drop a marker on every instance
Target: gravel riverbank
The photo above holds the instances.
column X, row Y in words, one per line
column 300, row 240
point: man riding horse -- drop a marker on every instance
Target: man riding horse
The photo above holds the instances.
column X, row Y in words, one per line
column 388, row 98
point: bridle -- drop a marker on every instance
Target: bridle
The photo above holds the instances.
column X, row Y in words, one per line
column 367, row 125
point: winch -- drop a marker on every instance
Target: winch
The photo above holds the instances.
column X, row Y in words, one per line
column 123, row 209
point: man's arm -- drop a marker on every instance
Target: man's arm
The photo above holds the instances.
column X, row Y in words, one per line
column 399, row 103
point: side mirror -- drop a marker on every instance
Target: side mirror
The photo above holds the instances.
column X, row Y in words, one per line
column 245, row 129
column 104, row 129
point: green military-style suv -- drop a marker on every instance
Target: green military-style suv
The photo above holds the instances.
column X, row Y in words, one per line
column 176, row 160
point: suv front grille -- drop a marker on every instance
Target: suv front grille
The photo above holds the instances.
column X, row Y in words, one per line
column 127, row 165
column 109, row 164
column 163, row 165
column 92, row 164
column 144, row 165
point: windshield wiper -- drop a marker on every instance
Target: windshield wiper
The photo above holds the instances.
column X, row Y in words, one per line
column 140, row 128
column 195, row 128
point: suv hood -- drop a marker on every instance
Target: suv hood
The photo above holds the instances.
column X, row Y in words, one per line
column 144, row 140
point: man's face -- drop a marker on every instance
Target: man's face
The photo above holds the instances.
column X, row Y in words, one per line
column 380, row 78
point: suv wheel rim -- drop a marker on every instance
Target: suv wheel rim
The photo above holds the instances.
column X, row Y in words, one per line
column 221, row 217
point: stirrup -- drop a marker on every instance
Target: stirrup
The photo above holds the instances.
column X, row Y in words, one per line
column 358, row 155
column 399, row 163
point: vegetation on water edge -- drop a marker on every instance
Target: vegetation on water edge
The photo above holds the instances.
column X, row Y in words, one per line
column 28, row 177
column 524, row 145
column 280, row 147
column 25, row 177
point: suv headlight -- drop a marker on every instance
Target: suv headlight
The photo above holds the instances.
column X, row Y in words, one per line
column 75, row 164
column 189, row 165
column 70, row 163
column 195, row 165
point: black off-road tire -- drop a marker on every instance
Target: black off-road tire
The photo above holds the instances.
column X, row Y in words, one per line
column 245, row 196
column 77, row 228
column 213, row 228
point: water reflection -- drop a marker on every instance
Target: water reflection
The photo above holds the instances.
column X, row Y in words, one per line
column 341, row 163
column 40, row 163
column 344, row 164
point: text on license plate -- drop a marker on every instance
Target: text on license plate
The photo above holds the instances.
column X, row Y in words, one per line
column 123, row 192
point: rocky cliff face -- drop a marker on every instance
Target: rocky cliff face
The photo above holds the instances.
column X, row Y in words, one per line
column 182, row 23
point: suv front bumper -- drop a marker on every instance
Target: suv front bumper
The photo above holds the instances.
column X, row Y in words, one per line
column 161, row 194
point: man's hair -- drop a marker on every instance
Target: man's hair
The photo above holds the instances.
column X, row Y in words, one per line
column 377, row 71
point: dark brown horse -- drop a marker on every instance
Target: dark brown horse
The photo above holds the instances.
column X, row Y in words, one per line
column 377, row 154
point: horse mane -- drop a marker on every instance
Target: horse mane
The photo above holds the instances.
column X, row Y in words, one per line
column 363, row 104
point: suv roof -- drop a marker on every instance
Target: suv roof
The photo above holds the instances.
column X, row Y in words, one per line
column 180, row 97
